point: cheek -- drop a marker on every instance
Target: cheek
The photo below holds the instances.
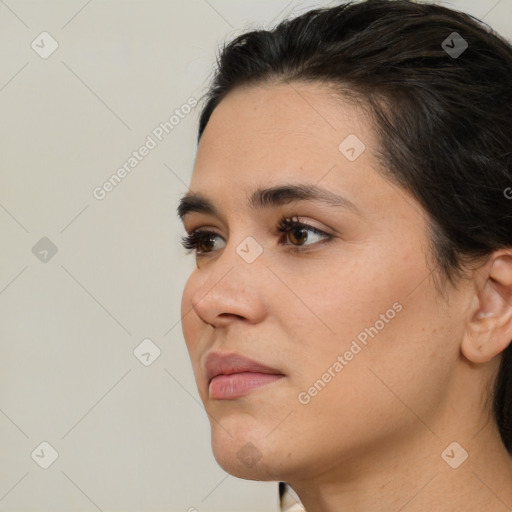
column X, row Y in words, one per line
column 339, row 299
column 190, row 323
column 376, row 311
column 397, row 344
column 193, row 329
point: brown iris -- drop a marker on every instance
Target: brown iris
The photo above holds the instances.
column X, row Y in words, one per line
column 299, row 238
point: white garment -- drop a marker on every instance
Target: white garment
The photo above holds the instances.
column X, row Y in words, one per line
column 290, row 501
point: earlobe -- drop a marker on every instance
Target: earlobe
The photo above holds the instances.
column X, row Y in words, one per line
column 479, row 344
column 489, row 327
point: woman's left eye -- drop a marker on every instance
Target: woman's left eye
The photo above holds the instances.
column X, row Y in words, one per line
column 291, row 229
column 296, row 230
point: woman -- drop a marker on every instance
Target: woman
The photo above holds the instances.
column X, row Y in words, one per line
column 350, row 317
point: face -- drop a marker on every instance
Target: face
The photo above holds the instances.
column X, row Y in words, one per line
column 338, row 309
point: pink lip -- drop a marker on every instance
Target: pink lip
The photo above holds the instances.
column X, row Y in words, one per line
column 233, row 376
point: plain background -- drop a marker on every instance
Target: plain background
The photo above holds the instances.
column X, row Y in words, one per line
column 129, row 437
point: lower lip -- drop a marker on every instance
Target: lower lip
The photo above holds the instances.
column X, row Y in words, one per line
column 225, row 387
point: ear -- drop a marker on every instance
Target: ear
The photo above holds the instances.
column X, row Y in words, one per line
column 489, row 328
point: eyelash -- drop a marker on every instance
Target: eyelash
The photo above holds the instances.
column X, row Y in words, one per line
column 284, row 226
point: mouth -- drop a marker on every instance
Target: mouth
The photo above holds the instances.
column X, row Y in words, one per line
column 232, row 376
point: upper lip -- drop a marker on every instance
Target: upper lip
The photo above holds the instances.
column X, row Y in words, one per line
column 227, row 364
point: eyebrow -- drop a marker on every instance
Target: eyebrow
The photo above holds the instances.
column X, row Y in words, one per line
column 269, row 198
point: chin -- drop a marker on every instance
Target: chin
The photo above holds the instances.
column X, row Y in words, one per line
column 243, row 456
column 248, row 462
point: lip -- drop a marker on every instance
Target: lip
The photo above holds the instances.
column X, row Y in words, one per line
column 232, row 375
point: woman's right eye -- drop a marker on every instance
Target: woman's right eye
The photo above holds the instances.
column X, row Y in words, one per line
column 198, row 239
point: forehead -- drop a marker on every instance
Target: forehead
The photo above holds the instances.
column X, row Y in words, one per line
column 278, row 132
column 259, row 139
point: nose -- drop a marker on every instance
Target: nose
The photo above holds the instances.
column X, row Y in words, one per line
column 232, row 289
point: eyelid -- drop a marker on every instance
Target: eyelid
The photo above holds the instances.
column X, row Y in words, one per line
column 297, row 218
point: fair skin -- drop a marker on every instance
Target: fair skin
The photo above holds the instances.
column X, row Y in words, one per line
column 372, row 438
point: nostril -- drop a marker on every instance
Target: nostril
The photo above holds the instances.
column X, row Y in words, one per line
column 228, row 315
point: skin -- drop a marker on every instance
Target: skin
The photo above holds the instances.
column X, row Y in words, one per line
column 372, row 438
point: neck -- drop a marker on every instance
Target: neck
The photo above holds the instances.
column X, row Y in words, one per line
column 418, row 476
